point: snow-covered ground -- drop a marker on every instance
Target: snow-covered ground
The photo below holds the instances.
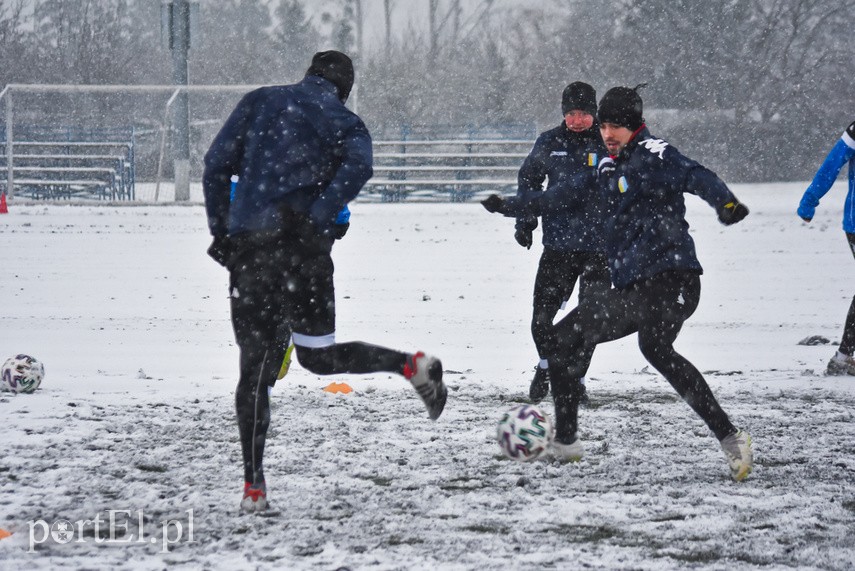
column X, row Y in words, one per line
column 135, row 418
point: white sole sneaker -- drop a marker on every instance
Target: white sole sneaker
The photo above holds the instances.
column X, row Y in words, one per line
column 740, row 456
column 254, row 501
column 425, row 374
column 572, row 452
column 839, row 368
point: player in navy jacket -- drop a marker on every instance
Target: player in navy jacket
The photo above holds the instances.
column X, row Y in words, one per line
column 655, row 272
column 566, row 158
column 842, row 363
column 300, row 156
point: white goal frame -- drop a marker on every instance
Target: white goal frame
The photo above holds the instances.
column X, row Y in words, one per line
column 174, row 91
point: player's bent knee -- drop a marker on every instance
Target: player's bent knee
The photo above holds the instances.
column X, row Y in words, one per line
column 318, row 360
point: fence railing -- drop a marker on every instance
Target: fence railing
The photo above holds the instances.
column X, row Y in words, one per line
column 452, row 169
column 69, row 169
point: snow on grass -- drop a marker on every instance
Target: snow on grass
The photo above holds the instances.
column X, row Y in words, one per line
column 136, row 414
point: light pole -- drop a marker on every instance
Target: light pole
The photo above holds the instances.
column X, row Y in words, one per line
column 177, row 20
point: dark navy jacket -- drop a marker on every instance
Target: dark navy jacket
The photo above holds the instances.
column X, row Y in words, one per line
column 646, row 231
column 296, row 146
column 568, row 160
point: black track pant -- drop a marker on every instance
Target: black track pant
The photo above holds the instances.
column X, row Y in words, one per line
column 557, row 273
column 278, row 286
column 847, row 343
column 656, row 309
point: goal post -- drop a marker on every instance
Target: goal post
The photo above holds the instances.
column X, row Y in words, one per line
column 15, row 95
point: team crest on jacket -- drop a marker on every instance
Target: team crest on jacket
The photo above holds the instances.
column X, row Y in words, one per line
column 592, row 159
column 622, row 184
column 655, row 146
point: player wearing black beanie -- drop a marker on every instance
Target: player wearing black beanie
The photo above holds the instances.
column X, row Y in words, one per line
column 654, row 269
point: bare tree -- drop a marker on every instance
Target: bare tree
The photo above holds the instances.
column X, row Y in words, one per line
column 14, row 46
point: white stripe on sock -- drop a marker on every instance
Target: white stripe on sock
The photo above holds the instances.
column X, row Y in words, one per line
column 313, row 341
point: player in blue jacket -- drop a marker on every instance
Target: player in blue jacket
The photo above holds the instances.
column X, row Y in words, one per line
column 654, row 269
column 300, row 156
column 842, row 363
column 572, row 241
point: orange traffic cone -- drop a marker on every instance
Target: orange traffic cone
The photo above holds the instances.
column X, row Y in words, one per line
column 3, row 208
column 334, row 387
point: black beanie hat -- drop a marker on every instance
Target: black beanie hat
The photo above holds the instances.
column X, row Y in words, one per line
column 335, row 67
column 579, row 95
column 622, row 106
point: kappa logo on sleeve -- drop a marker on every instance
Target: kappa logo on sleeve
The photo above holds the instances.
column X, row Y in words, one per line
column 655, row 146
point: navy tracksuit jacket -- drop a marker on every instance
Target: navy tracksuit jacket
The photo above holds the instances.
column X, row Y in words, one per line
column 646, row 231
column 569, row 161
column 294, row 146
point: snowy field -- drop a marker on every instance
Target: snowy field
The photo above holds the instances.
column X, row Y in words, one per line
column 135, row 419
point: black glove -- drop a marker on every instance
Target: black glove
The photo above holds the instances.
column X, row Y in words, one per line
column 606, row 167
column 221, row 250
column 339, row 230
column 523, row 238
column 732, row 212
column 524, row 227
column 493, row 203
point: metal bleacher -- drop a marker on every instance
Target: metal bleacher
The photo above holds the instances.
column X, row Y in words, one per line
column 435, row 165
column 66, row 163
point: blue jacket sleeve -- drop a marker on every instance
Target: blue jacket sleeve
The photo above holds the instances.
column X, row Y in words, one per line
column 532, row 173
column 708, row 186
column 560, row 197
column 699, row 180
column 353, row 172
column 840, row 154
column 221, row 162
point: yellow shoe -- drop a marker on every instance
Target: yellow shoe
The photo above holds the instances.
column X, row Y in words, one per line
column 286, row 363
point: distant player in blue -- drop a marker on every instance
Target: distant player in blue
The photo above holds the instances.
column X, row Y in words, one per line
column 843, row 152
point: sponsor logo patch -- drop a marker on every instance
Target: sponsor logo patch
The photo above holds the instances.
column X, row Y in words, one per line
column 655, row 146
column 558, row 154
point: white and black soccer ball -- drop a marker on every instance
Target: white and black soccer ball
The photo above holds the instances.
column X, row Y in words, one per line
column 22, row 374
column 524, row 433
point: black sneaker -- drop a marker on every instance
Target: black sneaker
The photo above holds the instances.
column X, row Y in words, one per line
column 539, row 385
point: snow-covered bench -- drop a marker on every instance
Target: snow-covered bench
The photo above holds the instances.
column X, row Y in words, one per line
column 62, row 169
column 460, row 168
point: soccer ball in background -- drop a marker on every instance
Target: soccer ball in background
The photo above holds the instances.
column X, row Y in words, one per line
column 524, row 433
column 22, row 374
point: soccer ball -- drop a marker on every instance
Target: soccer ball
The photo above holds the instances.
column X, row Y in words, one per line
column 524, row 433
column 22, row 374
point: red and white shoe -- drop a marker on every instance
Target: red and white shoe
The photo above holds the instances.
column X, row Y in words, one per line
column 254, row 498
column 425, row 374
